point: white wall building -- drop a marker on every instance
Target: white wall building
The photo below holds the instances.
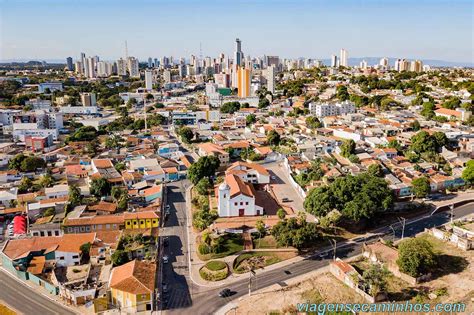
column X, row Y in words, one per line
column 236, row 198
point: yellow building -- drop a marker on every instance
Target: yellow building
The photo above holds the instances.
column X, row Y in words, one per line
column 141, row 220
column 132, row 286
column 243, row 82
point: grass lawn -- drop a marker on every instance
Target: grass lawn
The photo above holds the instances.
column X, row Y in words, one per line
column 233, row 243
column 265, row 242
column 215, row 265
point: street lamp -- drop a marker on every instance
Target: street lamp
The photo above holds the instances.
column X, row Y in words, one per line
column 402, row 221
column 393, row 232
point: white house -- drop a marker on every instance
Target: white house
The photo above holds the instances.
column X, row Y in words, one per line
column 249, row 172
column 7, row 196
column 236, row 198
column 57, row 191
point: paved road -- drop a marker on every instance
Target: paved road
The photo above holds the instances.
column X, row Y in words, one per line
column 206, row 301
column 176, row 272
column 26, row 300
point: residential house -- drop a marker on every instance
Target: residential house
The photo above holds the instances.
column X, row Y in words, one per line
column 249, row 172
column 208, row 148
column 132, row 286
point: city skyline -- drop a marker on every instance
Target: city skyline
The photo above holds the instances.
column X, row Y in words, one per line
column 179, row 29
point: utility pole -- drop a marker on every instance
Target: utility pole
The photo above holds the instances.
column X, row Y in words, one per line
column 334, row 247
column 393, row 238
column 402, row 221
column 451, row 207
column 144, row 109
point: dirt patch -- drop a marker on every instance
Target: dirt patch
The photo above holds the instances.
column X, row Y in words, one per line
column 322, row 288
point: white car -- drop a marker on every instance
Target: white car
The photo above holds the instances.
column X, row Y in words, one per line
column 165, row 259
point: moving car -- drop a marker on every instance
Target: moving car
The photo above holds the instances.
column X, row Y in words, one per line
column 225, row 293
column 165, row 259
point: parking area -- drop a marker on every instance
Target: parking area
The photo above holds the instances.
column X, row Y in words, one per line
column 282, row 188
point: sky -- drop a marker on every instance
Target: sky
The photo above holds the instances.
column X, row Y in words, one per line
column 56, row 29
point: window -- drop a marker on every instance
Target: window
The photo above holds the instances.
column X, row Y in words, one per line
column 56, row 233
column 236, row 203
column 246, row 203
column 82, row 229
column 241, row 203
column 75, row 256
column 88, row 228
column 50, row 233
column 42, row 233
column 107, row 226
column 61, row 258
column 142, row 221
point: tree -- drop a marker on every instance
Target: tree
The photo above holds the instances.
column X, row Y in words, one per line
column 313, row 122
column 85, row 251
column 119, row 257
column 415, row 257
column 203, row 186
column 15, row 162
column 273, row 137
column 376, row 278
column 117, row 192
column 428, row 110
column 415, row 125
column 100, row 187
column 230, row 107
column 421, row 187
column 186, row 134
column 114, row 142
column 341, row 93
column 32, row 163
column 49, row 212
column 25, row 184
column 468, row 172
column 263, row 103
column 206, row 166
column 74, row 196
column 423, row 142
column 281, row 214
column 260, row 226
column 348, row 148
column 331, row 219
column 46, row 181
column 441, row 139
column 375, row 170
column 250, row 119
column 296, row 233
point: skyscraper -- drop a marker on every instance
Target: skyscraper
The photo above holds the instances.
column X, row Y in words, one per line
column 133, row 67
column 239, row 55
column 334, row 63
column 83, row 61
column 148, row 80
column 79, row 67
column 70, row 66
column 343, row 60
column 243, row 82
column 90, row 68
column 150, row 62
column 271, row 79
column 121, row 67
column 384, row 62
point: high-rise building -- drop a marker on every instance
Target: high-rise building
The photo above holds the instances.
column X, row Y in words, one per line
column 83, row 60
column 69, row 64
column 79, row 67
column 104, row 69
column 167, row 76
column 150, row 62
column 88, row 99
column 271, row 79
column 182, row 71
column 416, row 66
column 243, row 82
column 384, row 62
column 239, row 55
column 343, row 60
column 334, row 62
column 90, row 68
column 148, row 80
column 133, row 67
column 121, row 67
column 363, row 64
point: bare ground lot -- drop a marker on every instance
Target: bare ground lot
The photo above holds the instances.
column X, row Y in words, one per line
column 457, row 285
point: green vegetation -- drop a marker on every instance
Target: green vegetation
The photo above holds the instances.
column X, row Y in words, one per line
column 468, row 172
column 421, row 187
column 24, row 163
column 214, row 271
column 348, row 148
column 206, row 166
column 203, row 186
column 357, row 197
column 230, row 107
column 85, row 133
column 416, row 257
column 313, row 122
column 186, row 134
column 100, row 187
column 224, row 245
column 273, row 138
column 295, row 232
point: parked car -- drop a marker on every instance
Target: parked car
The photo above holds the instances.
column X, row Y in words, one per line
column 165, row 259
column 285, row 199
column 225, row 293
column 165, row 288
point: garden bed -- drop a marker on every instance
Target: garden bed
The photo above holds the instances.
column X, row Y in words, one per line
column 258, row 260
column 215, row 270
